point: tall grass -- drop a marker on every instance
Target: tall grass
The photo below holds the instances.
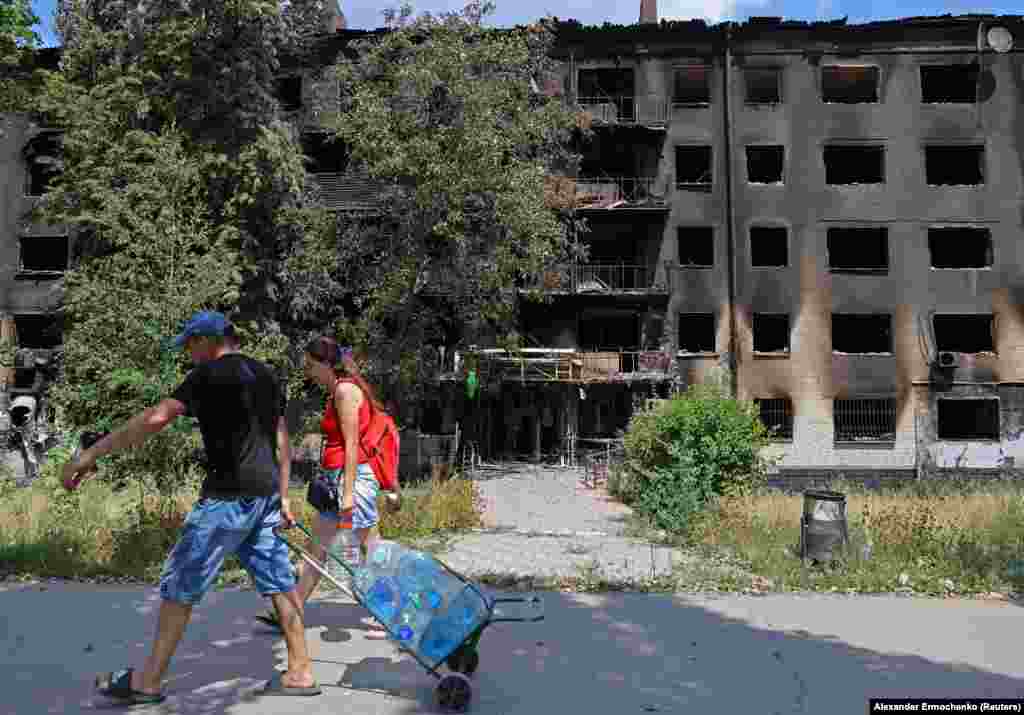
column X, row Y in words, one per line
column 940, row 539
column 99, row 532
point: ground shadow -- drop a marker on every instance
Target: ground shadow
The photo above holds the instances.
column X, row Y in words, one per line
column 599, row 654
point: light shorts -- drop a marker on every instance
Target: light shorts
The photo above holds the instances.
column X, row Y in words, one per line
column 215, row 528
column 364, row 496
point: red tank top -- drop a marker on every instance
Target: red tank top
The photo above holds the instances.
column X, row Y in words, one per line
column 330, row 423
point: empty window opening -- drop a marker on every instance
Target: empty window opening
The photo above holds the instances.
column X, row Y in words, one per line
column 864, row 419
column 696, row 246
column 697, row 332
column 324, row 155
column 44, row 253
column 960, row 247
column 764, row 164
column 968, row 419
column 606, row 82
column 24, row 379
column 949, row 84
column 763, row 85
column 769, row 246
column 693, row 166
column 854, row 164
column 771, row 333
column 612, row 331
column 43, row 161
column 692, row 85
column 861, row 334
column 289, row 92
column 38, row 331
column 955, row 165
column 777, row 415
column 849, row 85
column 863, row 250
column 964, row 333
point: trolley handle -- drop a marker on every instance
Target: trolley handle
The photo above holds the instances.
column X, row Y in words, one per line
column 534, row 603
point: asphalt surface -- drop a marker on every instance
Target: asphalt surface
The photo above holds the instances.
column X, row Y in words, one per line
column 598, row 654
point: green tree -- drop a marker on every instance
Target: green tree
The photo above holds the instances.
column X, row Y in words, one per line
column 185, row 187
column 440, row 112
column 18, row 41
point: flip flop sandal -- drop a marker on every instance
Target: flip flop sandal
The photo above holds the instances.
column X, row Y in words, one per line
column 270, row 619
column 276, row 686
column 118, row 684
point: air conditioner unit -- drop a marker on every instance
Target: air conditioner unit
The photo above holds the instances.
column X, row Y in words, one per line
column 946, row 358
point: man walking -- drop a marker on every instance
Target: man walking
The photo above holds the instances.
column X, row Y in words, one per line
column 240, row 408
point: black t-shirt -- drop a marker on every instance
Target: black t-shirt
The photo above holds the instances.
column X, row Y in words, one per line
column 238, row 402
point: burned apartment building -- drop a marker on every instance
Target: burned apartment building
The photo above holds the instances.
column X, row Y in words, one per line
column 828, row 214
column 33, row 258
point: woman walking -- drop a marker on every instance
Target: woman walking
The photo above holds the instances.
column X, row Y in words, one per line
column 345, row 489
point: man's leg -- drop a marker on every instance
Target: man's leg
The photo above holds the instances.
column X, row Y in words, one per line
column 170, row 628
column 289, row 615
column 265, row 557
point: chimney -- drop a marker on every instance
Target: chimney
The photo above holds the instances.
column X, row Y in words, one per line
column 648, row 12
column 335, row 17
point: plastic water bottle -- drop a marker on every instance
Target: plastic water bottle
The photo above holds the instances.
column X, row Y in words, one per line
column 410, row 625
column 466, row 612
column 417, row 576
column 383, row 599
column 439, row 639
column 362, row 580
column 385, row 556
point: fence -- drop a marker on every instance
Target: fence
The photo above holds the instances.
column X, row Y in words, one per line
column 650, row 110
column 575, row 366
column 630, row 189
column 348, row 191
column 602, row 278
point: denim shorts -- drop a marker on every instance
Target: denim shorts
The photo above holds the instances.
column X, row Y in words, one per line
column 364, row 497
column 215, row 528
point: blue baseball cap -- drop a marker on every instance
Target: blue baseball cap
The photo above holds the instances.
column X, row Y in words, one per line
column 205, row 323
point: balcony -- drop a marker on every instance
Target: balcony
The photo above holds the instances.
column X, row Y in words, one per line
column 568, row 365
column 612, row 279
column 348, row 191
column 617, row 193
column 647, row 111
column 32, row 228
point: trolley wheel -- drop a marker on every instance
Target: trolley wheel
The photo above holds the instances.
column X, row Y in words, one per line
column 464, row 660
column 453, row 693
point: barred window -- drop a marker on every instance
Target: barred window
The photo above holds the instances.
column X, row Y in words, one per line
column 865, row 420
column 777, row 416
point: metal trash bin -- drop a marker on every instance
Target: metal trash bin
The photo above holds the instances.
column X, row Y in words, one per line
column 823, row 526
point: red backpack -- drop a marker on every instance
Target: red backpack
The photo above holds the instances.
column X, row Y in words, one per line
column 379, row 444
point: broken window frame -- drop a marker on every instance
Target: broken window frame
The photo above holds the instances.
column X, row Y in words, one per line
column 982, row 162
column 890, row 348
column 827, row 69
column 876, row 146
column 948, row 67
column 780, row 410
column 996, row 437
column 858, row 270
column 782, row 169
column 946, row 348
column 696, row 103
column 679, row 243
column 873, row 420
column 23, row 270
column 679, row 333
column 750, row 245
column 785, row 351
column 989, row 248
column 776, row 71
column 696, row 185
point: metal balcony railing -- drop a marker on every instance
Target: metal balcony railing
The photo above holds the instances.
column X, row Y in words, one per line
column 649, row 110
column 600, row 192
column 601, row 278
column 566, row 365
column 348, row 191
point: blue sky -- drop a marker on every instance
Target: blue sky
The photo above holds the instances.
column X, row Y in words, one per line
column 362, row 14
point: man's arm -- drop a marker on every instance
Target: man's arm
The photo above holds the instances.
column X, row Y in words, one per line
column 136, row 430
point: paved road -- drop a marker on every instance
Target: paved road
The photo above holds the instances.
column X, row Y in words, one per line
column 603, row 655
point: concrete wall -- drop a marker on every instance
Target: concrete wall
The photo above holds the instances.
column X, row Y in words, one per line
column 811, row 374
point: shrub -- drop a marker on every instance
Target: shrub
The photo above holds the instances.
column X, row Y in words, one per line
column 683, row 452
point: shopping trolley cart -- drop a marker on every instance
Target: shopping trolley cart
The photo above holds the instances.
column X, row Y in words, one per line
column 453, row 692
